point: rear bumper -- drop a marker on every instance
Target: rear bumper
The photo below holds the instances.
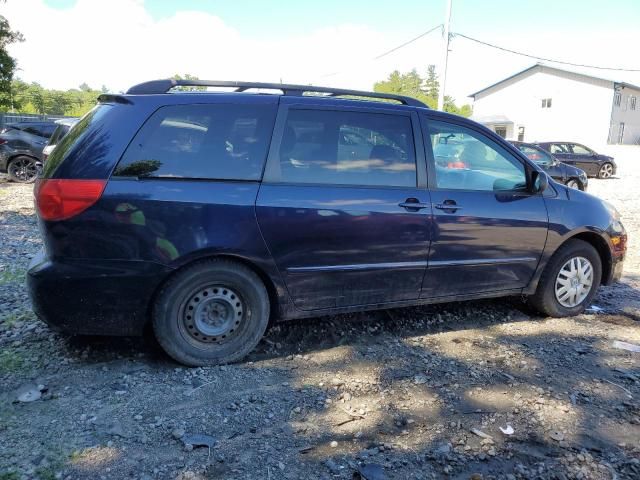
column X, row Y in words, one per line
column 101, row 297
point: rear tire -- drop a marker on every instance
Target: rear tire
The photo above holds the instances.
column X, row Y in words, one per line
column 559, row 293
column 23, row 169
column 211, row 313
column 606, row 171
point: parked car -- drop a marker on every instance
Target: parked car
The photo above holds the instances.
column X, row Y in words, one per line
column 62, row 128
column 21, row 147
column 561, row 172
column 577, row 155
column 208, row 215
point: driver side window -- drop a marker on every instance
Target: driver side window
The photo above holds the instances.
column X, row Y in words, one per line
column 467, row 160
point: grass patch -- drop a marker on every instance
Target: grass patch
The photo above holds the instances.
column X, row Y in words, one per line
column 9, row 476
column 13, row 318
column 12, row 276
column 11, row 361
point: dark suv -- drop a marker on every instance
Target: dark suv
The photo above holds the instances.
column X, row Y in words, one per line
column 209, row 214
column 21, row 146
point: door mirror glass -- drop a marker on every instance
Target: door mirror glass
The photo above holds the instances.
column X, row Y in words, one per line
column 540, row 181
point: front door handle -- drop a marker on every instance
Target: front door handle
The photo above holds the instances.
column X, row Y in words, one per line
column 448, row 205
column 413, row 205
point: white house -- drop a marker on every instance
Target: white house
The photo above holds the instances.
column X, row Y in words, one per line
column 545, row 103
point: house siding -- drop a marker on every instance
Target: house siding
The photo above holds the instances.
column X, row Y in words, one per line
column 624, row 114
column 581, row 106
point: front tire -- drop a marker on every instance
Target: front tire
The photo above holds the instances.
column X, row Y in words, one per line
column 211, row 313
column 23, row 169
column 606, row 171
column 574, row 183
column 569, row 281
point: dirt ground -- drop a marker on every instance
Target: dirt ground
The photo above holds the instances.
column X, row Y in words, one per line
column 407, row 393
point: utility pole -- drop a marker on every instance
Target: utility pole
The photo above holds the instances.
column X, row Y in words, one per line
column 445, row 55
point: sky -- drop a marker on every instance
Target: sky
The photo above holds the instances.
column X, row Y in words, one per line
column 119, row 43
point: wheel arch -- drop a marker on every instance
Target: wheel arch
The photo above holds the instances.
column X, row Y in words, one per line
column 601, row 246
column 272, row 288
column 593, row 238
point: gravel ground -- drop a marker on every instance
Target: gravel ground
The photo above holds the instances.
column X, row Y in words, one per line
column 416, row 392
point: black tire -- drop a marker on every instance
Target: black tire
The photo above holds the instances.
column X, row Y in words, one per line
column 23, row 169
column 545, row 301
column 606, row 171
column 213, row 336
column 575, row 181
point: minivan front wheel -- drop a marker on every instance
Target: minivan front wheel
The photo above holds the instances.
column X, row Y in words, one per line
column 569, row 281
column 213, row 312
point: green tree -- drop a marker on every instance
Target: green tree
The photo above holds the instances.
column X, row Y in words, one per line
column 431, row 83
column 7, row 62
column 426, row 89
column 188, row 77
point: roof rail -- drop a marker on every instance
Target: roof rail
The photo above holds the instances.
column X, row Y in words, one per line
column 163, row 86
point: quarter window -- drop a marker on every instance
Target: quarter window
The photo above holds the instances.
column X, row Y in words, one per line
column 201, row 141
column 346, row 148
column 467, row 160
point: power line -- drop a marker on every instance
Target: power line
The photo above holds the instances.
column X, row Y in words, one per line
column 398, row 47
column 455, row 34
column 423, row 34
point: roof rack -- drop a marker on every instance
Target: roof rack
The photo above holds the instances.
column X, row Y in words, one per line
column 164, row 86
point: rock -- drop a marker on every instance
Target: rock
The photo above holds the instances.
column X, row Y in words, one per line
column 198, row 440
column 420, row 379
column 334, row 444
column 177, row 433
column 332, row 467
column 115, row 428
column 29, row 393
column 557, row 435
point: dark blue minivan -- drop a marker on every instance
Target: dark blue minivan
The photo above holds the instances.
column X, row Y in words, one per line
column 211, row 213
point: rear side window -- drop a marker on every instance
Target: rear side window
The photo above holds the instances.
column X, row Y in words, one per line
column 81, row 131
column 347, row 148
column 220, row 141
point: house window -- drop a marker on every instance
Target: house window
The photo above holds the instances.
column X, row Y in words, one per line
column 546, row 103
column 633, row 103
column 621, row 132
column 617, row 99
column 521, row 134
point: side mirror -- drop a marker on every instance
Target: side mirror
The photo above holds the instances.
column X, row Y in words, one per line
column 539, row 181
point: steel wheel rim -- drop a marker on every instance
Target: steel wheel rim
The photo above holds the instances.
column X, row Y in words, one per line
column 574, row 282
column 606, row 170
column 24, row 170
column 573, row 184
column 213, row 314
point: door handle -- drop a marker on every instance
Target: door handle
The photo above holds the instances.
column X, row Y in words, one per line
column 413, row 204
column 450, row 205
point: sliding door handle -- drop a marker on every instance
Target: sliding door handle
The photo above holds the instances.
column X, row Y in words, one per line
column 449, row 205
column 413, row 204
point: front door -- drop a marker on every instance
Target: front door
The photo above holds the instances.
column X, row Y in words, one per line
column 344, row 207
column 489, row 231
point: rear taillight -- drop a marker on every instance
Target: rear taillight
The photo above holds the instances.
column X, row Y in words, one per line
column 3, row 141
column 58, row 199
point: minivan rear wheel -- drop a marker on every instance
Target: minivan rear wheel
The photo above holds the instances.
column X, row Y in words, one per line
column 569, row 281
column 210, row 313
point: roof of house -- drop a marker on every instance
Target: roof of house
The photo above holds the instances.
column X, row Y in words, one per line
column 552, row 69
